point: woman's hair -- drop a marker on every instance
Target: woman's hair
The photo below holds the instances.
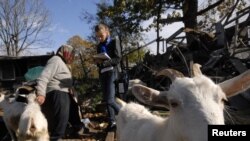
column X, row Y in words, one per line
column 100, row 27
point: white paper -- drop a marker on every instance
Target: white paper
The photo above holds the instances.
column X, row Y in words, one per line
column 107, row 69
column 103, row 56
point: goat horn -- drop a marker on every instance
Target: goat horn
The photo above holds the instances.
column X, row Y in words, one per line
column 237, row 84
column 120, row 101
column 171, row 73
column 196, row 71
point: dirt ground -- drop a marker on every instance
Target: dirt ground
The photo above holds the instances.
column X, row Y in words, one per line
column 95, row 130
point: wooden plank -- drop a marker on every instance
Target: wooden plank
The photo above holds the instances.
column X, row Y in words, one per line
column 110, row 136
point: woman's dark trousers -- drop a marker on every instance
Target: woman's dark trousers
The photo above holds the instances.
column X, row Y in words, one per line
column 56, row 110
column 108, row 87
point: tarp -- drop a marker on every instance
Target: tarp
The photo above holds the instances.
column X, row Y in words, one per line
column 33, row 73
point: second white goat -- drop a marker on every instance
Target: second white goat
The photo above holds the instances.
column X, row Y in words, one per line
column 194, row 103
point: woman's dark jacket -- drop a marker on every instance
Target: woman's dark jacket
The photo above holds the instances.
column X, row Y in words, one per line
column 114, row 51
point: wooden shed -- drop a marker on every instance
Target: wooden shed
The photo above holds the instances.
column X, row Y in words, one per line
column 12, row 69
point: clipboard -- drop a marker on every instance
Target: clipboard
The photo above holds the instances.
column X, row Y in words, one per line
column 103, row 56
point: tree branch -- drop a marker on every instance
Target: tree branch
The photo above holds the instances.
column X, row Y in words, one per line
column 209, row 7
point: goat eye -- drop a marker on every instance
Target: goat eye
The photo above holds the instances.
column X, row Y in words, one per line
column 173, row 104
column 224, row 101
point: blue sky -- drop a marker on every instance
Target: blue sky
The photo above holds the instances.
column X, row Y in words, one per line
column 65, row 21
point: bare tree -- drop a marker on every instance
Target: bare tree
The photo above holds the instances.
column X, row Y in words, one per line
column 22, row 24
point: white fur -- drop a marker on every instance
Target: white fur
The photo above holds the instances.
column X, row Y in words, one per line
column 135, row 81
column 193, row 102
column 30, row 123
column 12, row 113
column 33, row 125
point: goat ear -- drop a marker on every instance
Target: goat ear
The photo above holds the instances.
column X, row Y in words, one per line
column 149, row 96
column 196, row 71
column 1, row 94
column 237, row 84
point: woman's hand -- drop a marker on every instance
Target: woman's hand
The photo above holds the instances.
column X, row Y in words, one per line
column 40, row 99
column 72, row 91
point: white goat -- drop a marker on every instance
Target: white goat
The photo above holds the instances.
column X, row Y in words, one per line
column 24, row 121
column 33, row 124
column 193, row 102
column 12, row 112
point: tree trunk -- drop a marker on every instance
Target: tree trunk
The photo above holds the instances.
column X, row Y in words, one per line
column 190, row 8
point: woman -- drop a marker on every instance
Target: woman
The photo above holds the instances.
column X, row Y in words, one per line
column 108, row 70
column 54, row 91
